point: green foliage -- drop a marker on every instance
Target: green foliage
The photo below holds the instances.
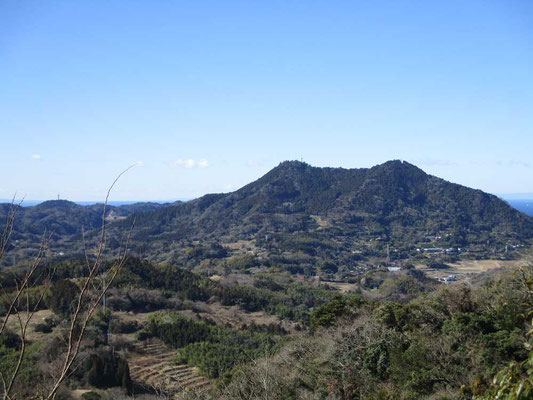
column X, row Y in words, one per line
column 268, row 284
column 392, row 315
column 28, row 377
column 177, row 330
column 443, row 345
column 206, row 252
column 214, row 359
column 515, row 380
column 9, row 339
column 142, row 273
column 118, row 325
column 242, row 262
column 292, row 302
column 46, row 326
column 324, row 316
column 62, row 297
column 327, row 267
column 91, row 396
column 32, row 297
column 215, row 350
column 401, row 286
column 108, row 370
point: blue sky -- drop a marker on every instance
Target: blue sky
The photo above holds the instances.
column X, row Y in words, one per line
column 209, row 95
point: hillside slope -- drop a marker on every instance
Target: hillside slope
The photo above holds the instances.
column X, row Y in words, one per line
column 391, row 199
column 326, row 212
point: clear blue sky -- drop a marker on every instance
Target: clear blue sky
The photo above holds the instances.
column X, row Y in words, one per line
column 209, row 95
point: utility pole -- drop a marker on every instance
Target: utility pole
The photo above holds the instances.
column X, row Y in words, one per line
column 104, row 304
column 104, row 276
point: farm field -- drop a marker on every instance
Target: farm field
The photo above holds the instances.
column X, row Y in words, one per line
column 152, row 366
column 467, row 267
column 343, row 287
column 477, row 266
column 235, row 316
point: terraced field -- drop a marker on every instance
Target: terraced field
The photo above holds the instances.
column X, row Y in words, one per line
column 151, row 366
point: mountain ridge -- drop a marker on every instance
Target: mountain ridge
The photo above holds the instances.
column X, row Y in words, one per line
column 396, row 202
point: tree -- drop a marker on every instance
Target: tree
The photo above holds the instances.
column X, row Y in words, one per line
column 327, row 314
column 80, row 304
column 62, row 297
column 515, row 381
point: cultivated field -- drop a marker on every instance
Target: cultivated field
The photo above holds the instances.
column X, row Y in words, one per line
column 152, row 366
column 467, row 267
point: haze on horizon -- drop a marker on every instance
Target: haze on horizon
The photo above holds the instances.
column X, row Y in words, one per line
column 208, row 96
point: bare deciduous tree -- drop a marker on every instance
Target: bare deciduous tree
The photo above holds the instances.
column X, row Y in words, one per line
column 87, row 302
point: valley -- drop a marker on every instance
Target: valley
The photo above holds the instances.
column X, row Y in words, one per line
column 385, row 270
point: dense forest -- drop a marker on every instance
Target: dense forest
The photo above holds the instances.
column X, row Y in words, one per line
column 448, row 344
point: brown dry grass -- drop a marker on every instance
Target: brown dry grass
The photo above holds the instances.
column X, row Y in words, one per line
column 469, row 267
column 39, row 316
column 235, row 316
column 240, row 245
column 477, row 266
column 343, row 287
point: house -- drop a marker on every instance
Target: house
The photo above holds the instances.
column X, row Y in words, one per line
column 447, row 279
column 434, row 250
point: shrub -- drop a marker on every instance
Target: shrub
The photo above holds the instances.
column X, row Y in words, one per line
column 91, row 396
column 62, row 297
column 327, row 314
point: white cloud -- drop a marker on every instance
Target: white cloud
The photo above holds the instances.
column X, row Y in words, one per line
column 190, row 163
column 36, row 156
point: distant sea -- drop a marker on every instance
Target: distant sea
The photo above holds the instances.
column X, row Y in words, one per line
column 521, row 201
column 526, row 206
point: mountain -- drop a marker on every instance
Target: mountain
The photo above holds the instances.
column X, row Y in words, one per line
column 61, row 220
column 376, row 200
column 62, row 217
column 302, row 208
column 326, row 213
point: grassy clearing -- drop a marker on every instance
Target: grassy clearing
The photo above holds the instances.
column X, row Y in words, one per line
column 343, row 287
column 38, row 318
column 477, row 266
column 468, row 267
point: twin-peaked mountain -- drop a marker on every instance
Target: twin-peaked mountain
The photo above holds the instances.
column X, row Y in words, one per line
column 388, row 199
column 394, row 202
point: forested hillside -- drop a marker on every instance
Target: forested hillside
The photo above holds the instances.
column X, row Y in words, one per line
column 349, row 214
column 346, row 216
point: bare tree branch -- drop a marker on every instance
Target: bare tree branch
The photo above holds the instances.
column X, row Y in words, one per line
column 88, row 299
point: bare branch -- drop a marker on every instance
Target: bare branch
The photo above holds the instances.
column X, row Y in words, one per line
column 86, row 307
